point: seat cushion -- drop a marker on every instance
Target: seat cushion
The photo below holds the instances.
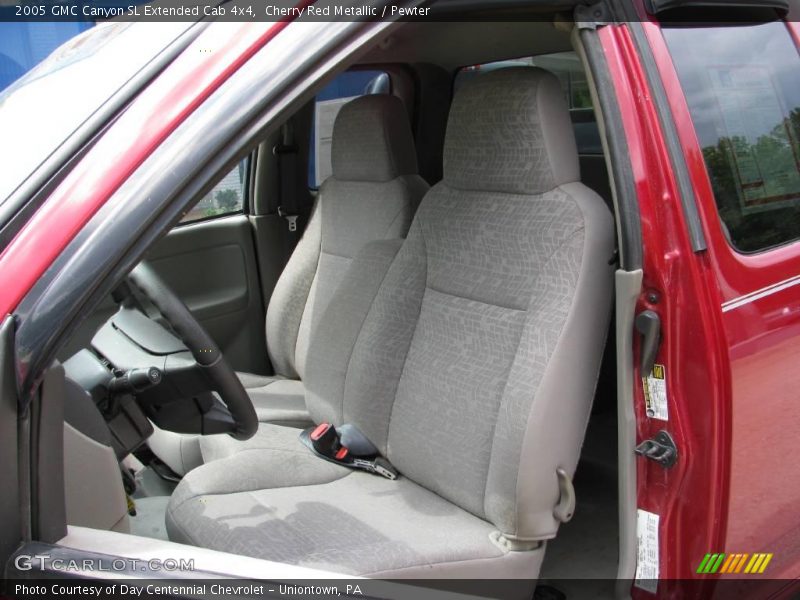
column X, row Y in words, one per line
column 277, row 400
column 270, row 436
column 282, row 503
column 251, row 380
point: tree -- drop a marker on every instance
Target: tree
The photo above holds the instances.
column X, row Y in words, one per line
column 227, row 200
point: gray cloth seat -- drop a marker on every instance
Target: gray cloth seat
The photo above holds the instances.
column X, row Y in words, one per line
column 468, row 353
column 329, row 525
column 277, row 399
column 372, row 194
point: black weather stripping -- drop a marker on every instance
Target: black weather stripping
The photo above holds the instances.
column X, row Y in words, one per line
column 733, row 9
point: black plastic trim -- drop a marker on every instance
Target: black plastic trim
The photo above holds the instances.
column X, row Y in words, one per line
column 11, row 498
column 655, row 7
column 685, row 188
column 212, row 140
column 247, row 189
column 29, row 196
column 472, row 9
column 630, row 234
column 233, row 213
column 48, row 502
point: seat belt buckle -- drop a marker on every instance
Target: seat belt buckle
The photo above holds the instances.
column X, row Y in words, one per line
column 334, row 445
column 290, row 219
column 325, row 440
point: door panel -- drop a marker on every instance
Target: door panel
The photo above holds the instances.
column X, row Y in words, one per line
column 224, row 279
column 211, row 265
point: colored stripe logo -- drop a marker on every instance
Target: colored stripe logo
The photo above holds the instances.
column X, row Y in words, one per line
column 751, row 564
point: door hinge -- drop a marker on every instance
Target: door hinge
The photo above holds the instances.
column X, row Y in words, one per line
column 661, row 449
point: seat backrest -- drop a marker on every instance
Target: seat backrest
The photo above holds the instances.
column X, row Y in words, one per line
column 372, row 194
column 469, row 352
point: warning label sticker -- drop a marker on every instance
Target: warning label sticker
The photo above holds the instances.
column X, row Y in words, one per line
column 646, row 551
column 655, row 393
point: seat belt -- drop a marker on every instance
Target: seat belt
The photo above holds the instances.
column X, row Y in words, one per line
column 348, row 447
column 286, row 152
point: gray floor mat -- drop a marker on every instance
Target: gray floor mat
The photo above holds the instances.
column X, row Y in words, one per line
column 149, row 483
column 149, row 520
column 587, row 546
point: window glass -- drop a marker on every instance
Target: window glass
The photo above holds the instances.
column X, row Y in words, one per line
column 225, row 198
column 742, row 84
column 45, row 106
column 329, row 101
column 567, row 67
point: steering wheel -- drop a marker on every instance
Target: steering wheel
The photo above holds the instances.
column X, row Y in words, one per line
column 203, row 349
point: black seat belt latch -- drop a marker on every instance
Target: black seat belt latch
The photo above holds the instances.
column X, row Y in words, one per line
column 334, row 445
column 286, row 153
column 325, row 440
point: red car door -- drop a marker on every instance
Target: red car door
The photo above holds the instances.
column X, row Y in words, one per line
column 734, row 91
column 712, row 119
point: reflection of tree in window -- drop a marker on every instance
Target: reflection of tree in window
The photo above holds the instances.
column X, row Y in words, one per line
column 778, row 153
column 742, row 87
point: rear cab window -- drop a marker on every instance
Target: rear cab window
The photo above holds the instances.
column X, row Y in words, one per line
column 229, row 195
column 742, row 86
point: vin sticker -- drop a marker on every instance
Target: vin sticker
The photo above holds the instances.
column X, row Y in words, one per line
column 646, row 551
column 655, row 393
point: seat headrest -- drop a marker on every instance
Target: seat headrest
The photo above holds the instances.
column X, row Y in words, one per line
column 372, row 140
column 509, row 131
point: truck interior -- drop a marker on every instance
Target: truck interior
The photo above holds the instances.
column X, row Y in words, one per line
column 289, row 263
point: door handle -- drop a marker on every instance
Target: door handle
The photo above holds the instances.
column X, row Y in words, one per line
column 648, row 324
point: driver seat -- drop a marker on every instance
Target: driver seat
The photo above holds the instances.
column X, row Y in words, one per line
column 472, row 369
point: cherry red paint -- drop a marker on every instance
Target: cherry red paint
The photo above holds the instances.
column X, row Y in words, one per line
column 731, row 336
column 691, row 497
column 160, row 108
column 760, row 342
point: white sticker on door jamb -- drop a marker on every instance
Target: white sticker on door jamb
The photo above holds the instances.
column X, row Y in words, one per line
column 646, row 551
column 655, row 393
